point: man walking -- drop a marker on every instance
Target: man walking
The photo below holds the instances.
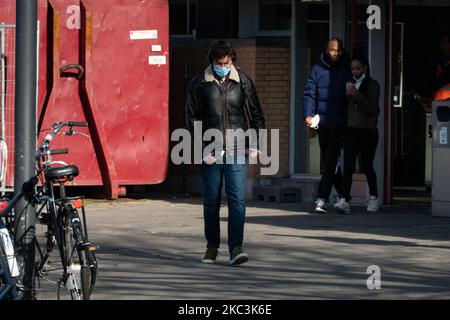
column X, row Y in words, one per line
column 325, row 96
column 222, row 97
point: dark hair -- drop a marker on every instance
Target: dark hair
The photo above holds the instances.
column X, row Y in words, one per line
column 220, row 49
column 338, row 40
column 361, row 58
column 358, row 55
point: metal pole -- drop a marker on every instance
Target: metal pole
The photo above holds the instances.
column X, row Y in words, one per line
column 25, row 133
column 292, row 124
column 355, row 39
column 3, row 97
column 3, row 94
column 389, row 131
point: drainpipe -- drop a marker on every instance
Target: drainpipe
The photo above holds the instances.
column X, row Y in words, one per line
column 389, row 127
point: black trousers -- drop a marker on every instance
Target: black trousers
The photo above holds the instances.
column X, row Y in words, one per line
column 363, row 141
column 330, row 142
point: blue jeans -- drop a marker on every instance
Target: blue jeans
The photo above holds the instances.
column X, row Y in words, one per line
column 235, row 178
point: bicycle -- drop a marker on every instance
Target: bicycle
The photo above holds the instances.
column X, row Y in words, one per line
column 9, row 270
column 61, row 218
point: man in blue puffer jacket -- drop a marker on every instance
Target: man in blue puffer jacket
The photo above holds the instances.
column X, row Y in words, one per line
column 325, row 96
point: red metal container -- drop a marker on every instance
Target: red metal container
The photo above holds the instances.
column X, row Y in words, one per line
column 105, row 62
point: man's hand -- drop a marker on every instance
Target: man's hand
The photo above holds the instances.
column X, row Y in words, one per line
column 308, row 120
column 209, row 159
column 253, row 153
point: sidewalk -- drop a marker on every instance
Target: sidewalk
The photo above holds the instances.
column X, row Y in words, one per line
column 151, row 249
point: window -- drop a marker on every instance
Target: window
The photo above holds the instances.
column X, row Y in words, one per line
column 183, row 17
column 203, row 19
column 274, row 15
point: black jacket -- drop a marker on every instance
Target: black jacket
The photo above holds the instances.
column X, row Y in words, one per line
column 234, row 105
column 364, row 105
column 325, row 91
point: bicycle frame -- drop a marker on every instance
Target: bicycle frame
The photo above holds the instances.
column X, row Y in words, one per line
column 61, row 211
column 9, row 269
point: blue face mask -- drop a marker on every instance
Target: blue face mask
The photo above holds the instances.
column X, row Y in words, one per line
column 221, row 71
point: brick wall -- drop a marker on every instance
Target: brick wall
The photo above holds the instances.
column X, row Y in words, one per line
column 273, row 84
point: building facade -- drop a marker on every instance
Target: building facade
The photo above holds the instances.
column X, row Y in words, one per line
column 278, row 42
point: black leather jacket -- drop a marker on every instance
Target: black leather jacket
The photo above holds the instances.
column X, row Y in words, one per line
column 232, row 105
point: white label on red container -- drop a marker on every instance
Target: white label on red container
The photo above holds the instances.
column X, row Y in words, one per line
column 156, row 47
column 157, row 60
column 143, row 34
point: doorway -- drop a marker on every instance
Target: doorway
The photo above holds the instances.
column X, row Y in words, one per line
column 416, row 55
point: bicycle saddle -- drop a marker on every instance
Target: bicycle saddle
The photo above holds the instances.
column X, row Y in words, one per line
column 61, row 172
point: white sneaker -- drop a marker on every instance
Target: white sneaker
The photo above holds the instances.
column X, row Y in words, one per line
column 321, row 206
column 343, row 206
column 373, row 204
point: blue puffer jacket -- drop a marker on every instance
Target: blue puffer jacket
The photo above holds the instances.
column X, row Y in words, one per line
column 325, row 92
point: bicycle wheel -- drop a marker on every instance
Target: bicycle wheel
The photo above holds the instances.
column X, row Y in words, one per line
column 77, row 279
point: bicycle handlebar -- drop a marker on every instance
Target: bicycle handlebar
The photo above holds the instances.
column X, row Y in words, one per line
column 77, row 124
column 56, row 128
column 50, row 152
column 59, row 151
